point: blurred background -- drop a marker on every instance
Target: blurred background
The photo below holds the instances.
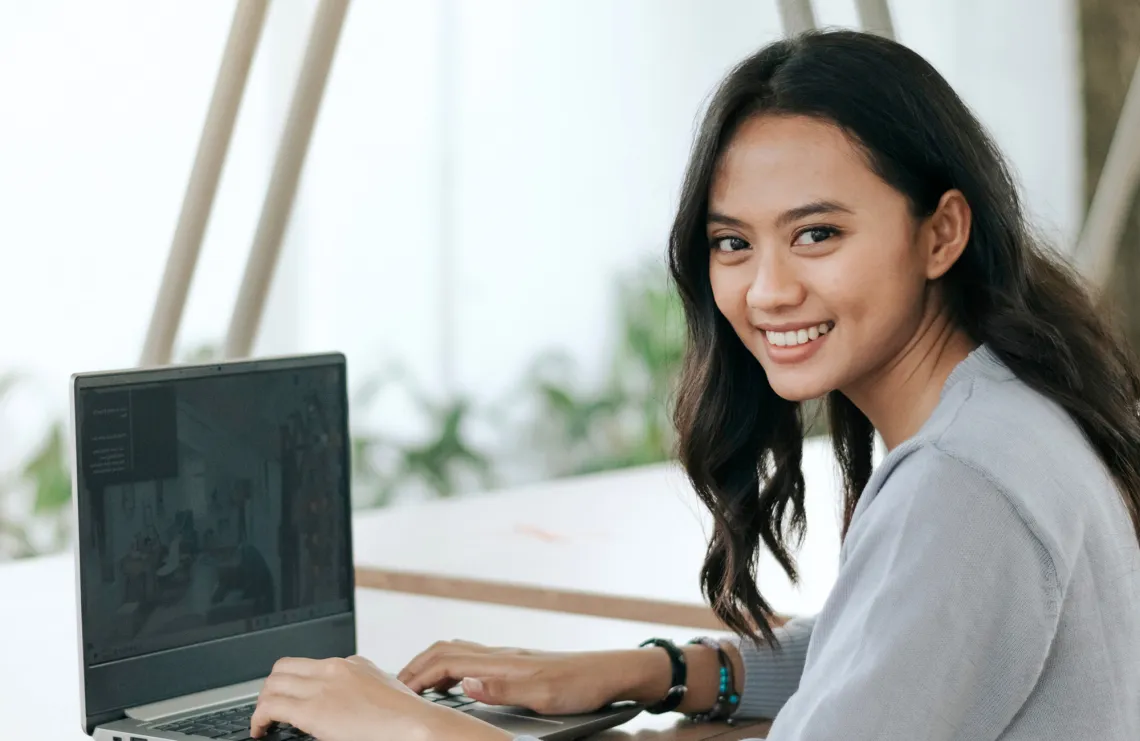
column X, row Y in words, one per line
column 481, row 219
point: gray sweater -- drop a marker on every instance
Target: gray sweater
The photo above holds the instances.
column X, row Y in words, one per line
column 989, row 588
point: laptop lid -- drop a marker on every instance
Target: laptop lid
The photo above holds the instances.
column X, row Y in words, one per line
column 213, row 516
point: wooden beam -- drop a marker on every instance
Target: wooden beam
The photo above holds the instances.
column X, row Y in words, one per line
column 245, row 32
column 1108, row 251
column 796, row 16
column 1115, row 193
column 572, row 602
column 278, row 205
column 875, row 17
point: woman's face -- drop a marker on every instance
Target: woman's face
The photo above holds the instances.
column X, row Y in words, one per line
column 816, row 262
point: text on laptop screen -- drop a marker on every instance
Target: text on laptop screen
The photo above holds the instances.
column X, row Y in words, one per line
column 214, row 506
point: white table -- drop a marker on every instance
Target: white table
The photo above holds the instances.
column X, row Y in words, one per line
column 39, row 664
column 637, row 533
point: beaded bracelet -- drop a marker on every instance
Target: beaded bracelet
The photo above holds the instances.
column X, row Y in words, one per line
column 726, row 697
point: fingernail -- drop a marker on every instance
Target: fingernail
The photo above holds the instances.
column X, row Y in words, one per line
column 472, row 685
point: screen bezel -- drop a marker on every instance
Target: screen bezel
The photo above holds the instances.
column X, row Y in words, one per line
column 109, row 689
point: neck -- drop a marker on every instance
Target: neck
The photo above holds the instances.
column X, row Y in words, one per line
column 901, row 395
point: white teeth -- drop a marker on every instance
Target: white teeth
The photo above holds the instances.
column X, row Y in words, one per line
column 798, row 337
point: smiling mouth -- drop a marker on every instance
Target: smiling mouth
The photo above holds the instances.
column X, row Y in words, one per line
column 800, row 336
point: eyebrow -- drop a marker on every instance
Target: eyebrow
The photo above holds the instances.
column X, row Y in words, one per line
column 815, row 208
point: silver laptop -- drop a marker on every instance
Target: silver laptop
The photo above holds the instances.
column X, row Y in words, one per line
column 214, row 537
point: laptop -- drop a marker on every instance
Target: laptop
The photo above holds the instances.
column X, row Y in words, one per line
column 213, row 515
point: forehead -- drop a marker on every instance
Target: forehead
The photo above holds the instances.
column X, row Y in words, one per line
column 777, row 162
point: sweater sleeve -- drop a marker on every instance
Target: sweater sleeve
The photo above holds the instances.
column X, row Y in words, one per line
column 772, row 676
column 941, row 620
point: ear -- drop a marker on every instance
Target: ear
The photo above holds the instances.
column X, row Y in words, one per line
column 947, row 231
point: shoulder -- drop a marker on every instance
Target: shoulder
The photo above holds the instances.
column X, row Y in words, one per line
column 932, row 486
column 936, row 519
column 997, row 443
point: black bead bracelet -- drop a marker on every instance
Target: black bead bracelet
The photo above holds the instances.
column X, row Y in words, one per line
column 677, row 687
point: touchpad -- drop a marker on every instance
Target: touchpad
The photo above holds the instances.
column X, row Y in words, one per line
column 524, row 723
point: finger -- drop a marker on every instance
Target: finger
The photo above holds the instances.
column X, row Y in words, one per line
column 470, row 644
column 415, row 666
column 298, row 667
column 277, row 709
column 430, row 673
column 445, row 670
column 289, row 686
column 537, row 696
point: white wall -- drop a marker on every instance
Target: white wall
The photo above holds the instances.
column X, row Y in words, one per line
column 570, row 126
column 104, row 103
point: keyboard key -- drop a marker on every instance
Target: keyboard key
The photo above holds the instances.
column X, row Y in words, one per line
column 281, row 735
column 230, row 724
column 453, row 698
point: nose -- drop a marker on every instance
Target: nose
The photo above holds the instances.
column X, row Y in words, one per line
column 776, row 285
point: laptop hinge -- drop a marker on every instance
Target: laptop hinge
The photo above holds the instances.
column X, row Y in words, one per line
column 198, row 702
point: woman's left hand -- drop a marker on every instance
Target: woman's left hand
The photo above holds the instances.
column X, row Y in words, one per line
column 350, row 699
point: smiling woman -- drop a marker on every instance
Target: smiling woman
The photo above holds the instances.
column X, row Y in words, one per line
column 847, row 229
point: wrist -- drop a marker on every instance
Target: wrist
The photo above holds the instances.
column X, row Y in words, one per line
column 646, row 675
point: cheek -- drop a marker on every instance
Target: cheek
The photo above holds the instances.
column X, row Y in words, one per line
column 876, row 289
column 845, row 287
column 729, row 291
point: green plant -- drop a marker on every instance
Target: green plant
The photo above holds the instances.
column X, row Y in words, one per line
column 626, row 421
column 13, row 535
column 442, row 463
column 46, row 474
column 49, row 473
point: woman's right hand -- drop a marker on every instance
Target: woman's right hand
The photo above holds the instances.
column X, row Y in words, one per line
column 545, row 682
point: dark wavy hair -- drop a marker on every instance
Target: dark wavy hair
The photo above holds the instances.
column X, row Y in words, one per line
column 739, row 442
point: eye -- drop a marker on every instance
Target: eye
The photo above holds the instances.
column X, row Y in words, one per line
column 815, row 235
column 728, row 244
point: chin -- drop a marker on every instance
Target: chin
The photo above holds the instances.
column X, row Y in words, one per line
column 797, row 388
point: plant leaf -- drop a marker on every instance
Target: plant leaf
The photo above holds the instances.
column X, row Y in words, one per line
column 48, row 471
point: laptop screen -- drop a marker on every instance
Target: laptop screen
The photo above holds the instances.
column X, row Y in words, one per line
column 211, row 506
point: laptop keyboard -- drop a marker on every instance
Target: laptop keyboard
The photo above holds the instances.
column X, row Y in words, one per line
column 453, row 699
column 233, row 725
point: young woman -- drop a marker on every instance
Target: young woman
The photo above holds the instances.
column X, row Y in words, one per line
column 847, row 229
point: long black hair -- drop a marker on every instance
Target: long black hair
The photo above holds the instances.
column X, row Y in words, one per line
column 740, row 443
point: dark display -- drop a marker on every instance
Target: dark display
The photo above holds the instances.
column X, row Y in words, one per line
column 214, row 506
